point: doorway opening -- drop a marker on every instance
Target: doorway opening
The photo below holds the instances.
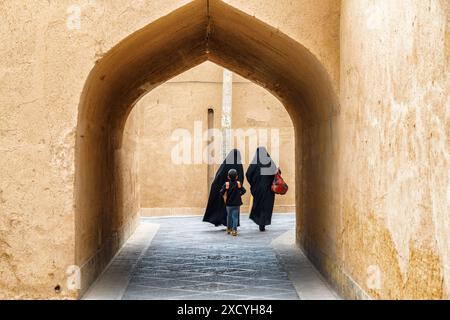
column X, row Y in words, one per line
column 203, row 30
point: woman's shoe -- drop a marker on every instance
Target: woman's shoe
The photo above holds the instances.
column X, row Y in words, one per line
column 262, row 228
column 234, row 233
column 228, row 231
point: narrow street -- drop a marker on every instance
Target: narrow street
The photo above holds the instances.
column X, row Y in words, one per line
column 191, row 260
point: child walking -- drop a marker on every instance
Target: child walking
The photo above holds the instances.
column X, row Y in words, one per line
column 232, row 191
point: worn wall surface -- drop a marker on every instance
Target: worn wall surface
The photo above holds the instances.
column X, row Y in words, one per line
column 169, row 188
column 383, row 228
column 398, row 121
column 127, row 172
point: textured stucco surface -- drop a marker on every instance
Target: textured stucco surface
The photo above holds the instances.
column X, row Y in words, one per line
column 398, row 121
column 382, row 220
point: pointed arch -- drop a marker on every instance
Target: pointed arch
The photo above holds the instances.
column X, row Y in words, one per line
column 199, row 31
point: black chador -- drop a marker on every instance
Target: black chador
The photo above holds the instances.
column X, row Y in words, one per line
column 216, row 212
column 260, row 175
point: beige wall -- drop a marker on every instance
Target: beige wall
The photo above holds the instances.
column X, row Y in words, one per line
column 169, row 188
column 382, row 219
column 395, row 119
column 176, row 189
column 127, row 172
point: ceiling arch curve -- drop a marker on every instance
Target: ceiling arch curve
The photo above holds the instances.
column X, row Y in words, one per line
column 199, row 31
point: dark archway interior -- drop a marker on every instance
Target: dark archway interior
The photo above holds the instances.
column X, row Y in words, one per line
column 202, row 30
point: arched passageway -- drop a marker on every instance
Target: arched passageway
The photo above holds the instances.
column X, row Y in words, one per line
column 202, row 30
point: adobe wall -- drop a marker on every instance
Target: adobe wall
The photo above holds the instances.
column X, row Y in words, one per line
column 381, row 230
column 169, row 188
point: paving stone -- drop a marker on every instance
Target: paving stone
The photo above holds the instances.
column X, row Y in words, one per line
column 189, row 259
column 153, row 293
column 212, row 287
column 185, row 259
column 211, row 296
column 160, row 283
column 261, row 292
column 262, row 282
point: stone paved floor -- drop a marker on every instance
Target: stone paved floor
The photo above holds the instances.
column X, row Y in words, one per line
column 189, row 259
column 184, row 259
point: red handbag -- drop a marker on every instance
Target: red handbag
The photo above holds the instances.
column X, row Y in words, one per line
column 279, row 186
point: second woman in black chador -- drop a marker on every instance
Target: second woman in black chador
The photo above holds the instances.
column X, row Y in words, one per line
column 260, row 175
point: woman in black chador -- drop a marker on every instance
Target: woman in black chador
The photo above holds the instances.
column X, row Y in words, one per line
column 216, row 212
column 260, row 175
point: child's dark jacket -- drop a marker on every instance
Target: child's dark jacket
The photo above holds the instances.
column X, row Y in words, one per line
column 234, row 194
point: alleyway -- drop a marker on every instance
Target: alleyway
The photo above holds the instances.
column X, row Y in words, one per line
column 188, row 259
